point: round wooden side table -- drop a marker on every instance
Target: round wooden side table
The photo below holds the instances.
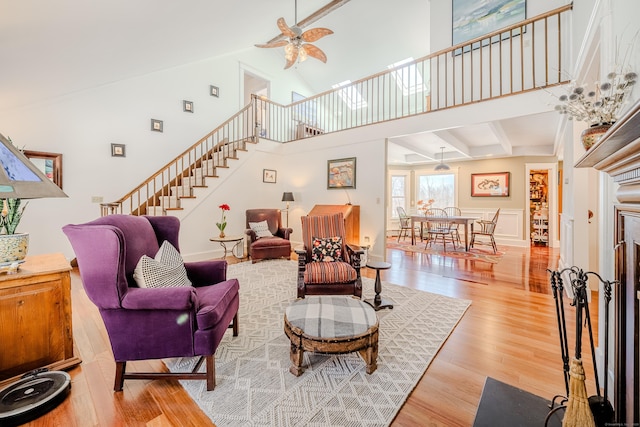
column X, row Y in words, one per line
column 236, row 240
column 378, row 302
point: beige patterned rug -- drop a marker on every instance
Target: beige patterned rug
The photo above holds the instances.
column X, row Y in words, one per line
column 255, row 388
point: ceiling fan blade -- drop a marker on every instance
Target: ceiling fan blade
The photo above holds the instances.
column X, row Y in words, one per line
column 315, row 34
column 285, row 28
column 293, row 59
column 274, row 44
column 315, row 52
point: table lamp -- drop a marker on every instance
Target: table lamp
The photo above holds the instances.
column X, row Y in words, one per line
column 19, row 179
column 287, row 197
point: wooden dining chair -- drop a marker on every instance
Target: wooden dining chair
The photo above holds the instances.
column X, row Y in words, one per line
column 487, row 228
column 405, row 223
column 439, row 229
column 455, row 228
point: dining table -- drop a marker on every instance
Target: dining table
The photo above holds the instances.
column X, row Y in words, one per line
column 463, row 220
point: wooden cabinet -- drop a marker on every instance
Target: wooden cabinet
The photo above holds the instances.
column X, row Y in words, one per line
column 351, row 215
column 538, row 207
column 35, row 317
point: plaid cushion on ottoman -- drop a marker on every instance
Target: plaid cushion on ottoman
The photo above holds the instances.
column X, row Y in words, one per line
column 331, row 316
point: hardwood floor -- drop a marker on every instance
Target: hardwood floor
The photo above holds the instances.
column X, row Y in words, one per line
column 508, row 333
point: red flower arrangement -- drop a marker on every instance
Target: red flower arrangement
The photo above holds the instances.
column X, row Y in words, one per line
column 223, row 223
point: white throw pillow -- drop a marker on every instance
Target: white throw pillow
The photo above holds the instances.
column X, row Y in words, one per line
column 261, row 228
column 166, row 270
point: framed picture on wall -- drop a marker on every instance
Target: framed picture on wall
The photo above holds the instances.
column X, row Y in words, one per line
column 269, row 176
column 495, row 184
column 48, row 163
column 341, row 173
column 472, row 19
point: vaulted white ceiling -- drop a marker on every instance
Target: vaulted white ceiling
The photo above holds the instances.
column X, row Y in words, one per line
column 50, row 49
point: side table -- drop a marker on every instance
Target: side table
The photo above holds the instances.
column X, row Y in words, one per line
column 378, row 303
column 236, row 240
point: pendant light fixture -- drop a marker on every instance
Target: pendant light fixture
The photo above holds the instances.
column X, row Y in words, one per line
column 442, row 166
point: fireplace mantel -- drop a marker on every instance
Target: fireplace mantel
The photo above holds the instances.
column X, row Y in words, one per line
column 618, row 154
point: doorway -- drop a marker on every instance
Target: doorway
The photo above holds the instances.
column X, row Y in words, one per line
column 254, row 84
column 542, row 213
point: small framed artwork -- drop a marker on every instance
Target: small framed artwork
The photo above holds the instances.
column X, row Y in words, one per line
column 156, row 125
column 214, row 91
column 48, row 163
column 187, row 106
column 269, row 176
column 341, row 173
column 117, row 150
column 494, row 184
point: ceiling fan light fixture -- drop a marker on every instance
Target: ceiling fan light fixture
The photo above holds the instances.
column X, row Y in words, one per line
column 442, row 166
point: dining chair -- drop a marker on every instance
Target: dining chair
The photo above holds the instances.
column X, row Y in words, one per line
column 487, row 228
column 405, row 222
column 455, row 228
column 439, row 229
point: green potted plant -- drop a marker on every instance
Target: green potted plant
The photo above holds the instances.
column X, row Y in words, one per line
column 13, row 246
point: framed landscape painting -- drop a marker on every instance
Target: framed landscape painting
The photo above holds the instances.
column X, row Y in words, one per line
column 341, row 173
column 472, row 19
column 495, row 184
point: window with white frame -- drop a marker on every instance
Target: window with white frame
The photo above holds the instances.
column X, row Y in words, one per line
column 399, row 192
column 441, row 187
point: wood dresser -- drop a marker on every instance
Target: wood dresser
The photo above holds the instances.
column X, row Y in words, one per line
column 35, row 317
column 618, row 154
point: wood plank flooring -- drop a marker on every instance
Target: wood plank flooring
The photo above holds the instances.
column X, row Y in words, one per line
column 508, row 333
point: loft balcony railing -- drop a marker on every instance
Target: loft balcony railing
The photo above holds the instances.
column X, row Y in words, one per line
column 516, row 59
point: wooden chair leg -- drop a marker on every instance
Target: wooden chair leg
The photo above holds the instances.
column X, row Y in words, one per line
column 211, row 372
column 119, row 381
column 235, row 325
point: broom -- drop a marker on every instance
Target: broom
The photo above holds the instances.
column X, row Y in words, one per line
column 578, row 413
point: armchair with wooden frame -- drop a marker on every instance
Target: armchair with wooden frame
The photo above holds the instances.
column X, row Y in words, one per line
column 339, row 272
column 439, row 229
column 487, row 228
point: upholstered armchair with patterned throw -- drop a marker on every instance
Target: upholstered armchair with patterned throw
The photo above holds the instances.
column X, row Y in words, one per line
column 154, row 305
column 327, row 265
column 268, row 239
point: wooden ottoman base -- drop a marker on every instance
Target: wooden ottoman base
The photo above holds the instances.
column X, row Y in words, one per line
column 365, row 343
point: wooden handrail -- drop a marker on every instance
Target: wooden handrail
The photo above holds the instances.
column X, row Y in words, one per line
column 441, row 80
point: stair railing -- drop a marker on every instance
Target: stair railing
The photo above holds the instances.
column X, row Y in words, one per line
column 519, row 58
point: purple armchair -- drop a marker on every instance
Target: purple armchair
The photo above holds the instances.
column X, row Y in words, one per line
column 153, row 323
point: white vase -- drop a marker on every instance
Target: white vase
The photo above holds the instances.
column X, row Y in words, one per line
column 13, row 247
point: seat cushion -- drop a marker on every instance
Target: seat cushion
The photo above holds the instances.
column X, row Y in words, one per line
column 214, row 301
column 331, row 316
column 270, row 242
column 329, row 272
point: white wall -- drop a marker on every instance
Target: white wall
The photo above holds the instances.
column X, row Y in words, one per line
column 82, row 126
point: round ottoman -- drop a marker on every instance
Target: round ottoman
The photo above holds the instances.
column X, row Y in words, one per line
column 333, row 325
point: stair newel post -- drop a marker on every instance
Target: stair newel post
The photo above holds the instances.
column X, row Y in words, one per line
column 254, row 112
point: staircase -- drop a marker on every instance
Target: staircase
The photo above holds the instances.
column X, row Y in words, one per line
column 523, row 57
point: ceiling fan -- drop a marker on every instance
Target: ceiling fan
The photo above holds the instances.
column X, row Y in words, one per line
column 298, row 45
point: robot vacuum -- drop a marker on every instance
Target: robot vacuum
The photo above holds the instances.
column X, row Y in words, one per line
column 37, row 393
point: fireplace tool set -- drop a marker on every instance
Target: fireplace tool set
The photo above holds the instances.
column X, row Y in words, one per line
column 580, row 410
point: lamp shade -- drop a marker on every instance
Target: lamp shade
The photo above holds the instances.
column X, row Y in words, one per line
column 287, row 197
column 21, row 179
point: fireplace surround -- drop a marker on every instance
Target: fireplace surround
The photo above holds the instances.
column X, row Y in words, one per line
column 618, row 154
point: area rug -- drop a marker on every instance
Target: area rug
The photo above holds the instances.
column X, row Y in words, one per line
column 255, row 388
column 503, row 405
column 478, row 253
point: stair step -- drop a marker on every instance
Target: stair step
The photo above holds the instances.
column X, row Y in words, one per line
column 182, row 191
column 155, row 211
column 169, row 201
